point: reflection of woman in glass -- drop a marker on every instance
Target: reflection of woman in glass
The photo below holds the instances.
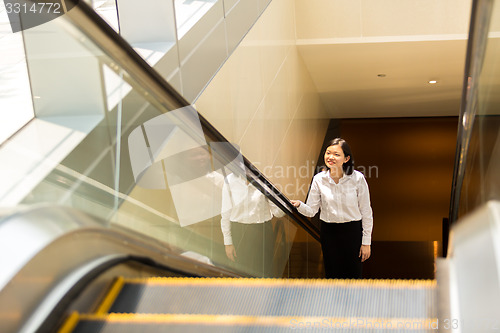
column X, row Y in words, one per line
column 346, row 215
column 246, row 225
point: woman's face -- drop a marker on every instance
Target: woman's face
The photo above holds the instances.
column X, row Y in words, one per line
column 198, row 159
column 334, row 157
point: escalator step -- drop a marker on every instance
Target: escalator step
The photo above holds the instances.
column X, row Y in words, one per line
column 147, row 323
column 279, row 298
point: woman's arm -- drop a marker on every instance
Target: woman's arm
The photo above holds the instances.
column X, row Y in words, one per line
column 313, row 201
column 277, row 212
column 225, row 214
column 366, row 211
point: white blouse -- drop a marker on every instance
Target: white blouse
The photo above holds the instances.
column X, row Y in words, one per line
column 243, row 203
column 347, row 201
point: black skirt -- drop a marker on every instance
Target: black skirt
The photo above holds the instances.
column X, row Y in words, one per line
column 254, row 244
column 341, row 243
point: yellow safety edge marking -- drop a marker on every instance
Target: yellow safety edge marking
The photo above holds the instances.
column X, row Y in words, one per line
column 111, row 296
column 252, row 282
column 70, row 323
column 292, row 322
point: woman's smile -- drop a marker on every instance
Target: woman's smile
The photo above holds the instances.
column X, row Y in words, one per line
column 334, row 155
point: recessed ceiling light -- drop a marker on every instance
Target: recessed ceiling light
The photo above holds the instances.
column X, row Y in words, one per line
column 432, row 82
column 381, row 75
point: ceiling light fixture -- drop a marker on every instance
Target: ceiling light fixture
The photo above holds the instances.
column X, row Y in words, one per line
column 432, row 82
column 381, row 75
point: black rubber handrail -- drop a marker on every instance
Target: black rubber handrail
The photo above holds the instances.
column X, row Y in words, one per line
column 160, row 91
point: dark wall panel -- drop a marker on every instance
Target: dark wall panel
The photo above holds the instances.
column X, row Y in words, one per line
column 408, row 163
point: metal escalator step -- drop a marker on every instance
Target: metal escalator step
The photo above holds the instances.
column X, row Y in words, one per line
column 279, row 298
column 149, row 323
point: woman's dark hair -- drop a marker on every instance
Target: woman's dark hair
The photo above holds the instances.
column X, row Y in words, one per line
column 348, row 166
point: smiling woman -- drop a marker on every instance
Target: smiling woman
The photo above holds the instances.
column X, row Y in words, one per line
column 346, row 216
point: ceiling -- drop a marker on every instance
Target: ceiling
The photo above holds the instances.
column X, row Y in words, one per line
column 375, row 58
column 347, row 77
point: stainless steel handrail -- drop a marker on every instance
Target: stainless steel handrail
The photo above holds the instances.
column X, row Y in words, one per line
column 478, row 36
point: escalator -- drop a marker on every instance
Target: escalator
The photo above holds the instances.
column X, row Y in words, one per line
column 260, row 305
column 107, row 239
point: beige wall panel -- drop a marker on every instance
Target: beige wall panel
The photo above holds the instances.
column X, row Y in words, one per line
column 205, row 60
column 277, row 101
column 369, row 18
column 175, row 80
column 296, row 160
column 245, row 86
column 169, row 63
column 495, row 21
column 239, row 20
column 198, row 33
column 215, row 103
column 228, row 5
column 140, row 24
column 263, row 138
column 321, row 126
column 409, row 17
column 277, row 36
column 264, row 100
column 263, row 4
column 294, row 67
column 264, row 135
column 311, row 107
column 328, row 18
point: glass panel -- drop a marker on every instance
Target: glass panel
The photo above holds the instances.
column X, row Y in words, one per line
column 16, row 106
column 107, row 10
column 481, row 181
column 188, row 12
column 143, row 168
column 151, row 33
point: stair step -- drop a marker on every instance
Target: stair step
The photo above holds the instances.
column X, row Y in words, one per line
column 146, row 323
column 276, row 297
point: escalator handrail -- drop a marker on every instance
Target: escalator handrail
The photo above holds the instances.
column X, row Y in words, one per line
column 96, row 29
column 76, row 249
column 478, row 35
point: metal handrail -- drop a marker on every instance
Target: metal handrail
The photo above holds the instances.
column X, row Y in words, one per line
column 478, row 35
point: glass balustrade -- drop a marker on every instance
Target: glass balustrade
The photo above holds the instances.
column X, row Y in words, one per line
column 104, row 142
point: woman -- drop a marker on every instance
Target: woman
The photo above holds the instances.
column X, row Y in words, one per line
column 346, row 215
column 246, row 226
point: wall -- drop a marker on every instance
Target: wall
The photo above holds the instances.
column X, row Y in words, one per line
column 263, row 99
column 408, row 163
